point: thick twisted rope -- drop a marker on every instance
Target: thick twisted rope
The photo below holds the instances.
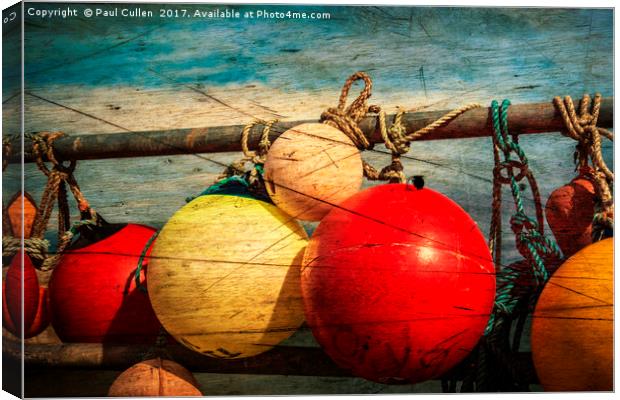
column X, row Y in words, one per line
column 583, row 129
column 36, row 248
column 257, row 156
column 55, row 191
column 346, row 119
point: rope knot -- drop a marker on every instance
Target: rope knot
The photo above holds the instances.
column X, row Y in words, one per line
column 256, row 156
column 346, row 119
column 504, row 171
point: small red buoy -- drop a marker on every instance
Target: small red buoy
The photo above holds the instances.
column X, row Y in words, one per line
column 35, row 313
column 398, row 284
column 153, row 378
column 569, row 211
column 93, row 294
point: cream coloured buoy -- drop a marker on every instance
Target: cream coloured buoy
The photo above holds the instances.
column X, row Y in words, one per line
column 224, row 276
column 573, row 323
column 311, row 167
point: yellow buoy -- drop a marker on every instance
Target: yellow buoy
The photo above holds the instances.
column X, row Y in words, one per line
column 572, row 328
column 224, row 276
column 311, row 167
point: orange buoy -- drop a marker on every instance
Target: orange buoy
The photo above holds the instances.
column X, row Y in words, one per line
column 22, row 210
column 572, row 328
column 155, row 377
column 311, row 167
column 569, row 211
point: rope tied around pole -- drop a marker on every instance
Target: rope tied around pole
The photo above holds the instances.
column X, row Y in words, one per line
column 346, row 119
column 235, row 177
column 396, row 139
column 589, row 160
column 257, row 156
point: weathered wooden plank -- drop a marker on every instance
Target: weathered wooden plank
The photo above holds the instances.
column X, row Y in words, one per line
column 523, row 119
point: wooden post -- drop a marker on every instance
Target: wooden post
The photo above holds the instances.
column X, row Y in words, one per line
column 523, row 119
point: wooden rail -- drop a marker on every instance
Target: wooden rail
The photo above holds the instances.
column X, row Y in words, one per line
column 281, row 360
column 527, row 118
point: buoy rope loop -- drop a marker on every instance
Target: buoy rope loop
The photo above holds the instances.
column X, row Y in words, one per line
column 51, row 261
column 140, row 265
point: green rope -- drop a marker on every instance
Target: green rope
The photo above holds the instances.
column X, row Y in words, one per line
column 250, row 185
column 146, row 248
column 531, row 243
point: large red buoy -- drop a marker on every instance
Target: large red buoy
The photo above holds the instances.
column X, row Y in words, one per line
column 398, row 284
column 35, row 314
column 569, row 211
column 93, row 293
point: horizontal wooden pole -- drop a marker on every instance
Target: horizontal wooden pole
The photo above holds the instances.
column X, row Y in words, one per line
column 281, row 360
column 523, row 119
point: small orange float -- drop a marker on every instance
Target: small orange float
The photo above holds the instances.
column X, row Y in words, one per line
column 569, row 211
